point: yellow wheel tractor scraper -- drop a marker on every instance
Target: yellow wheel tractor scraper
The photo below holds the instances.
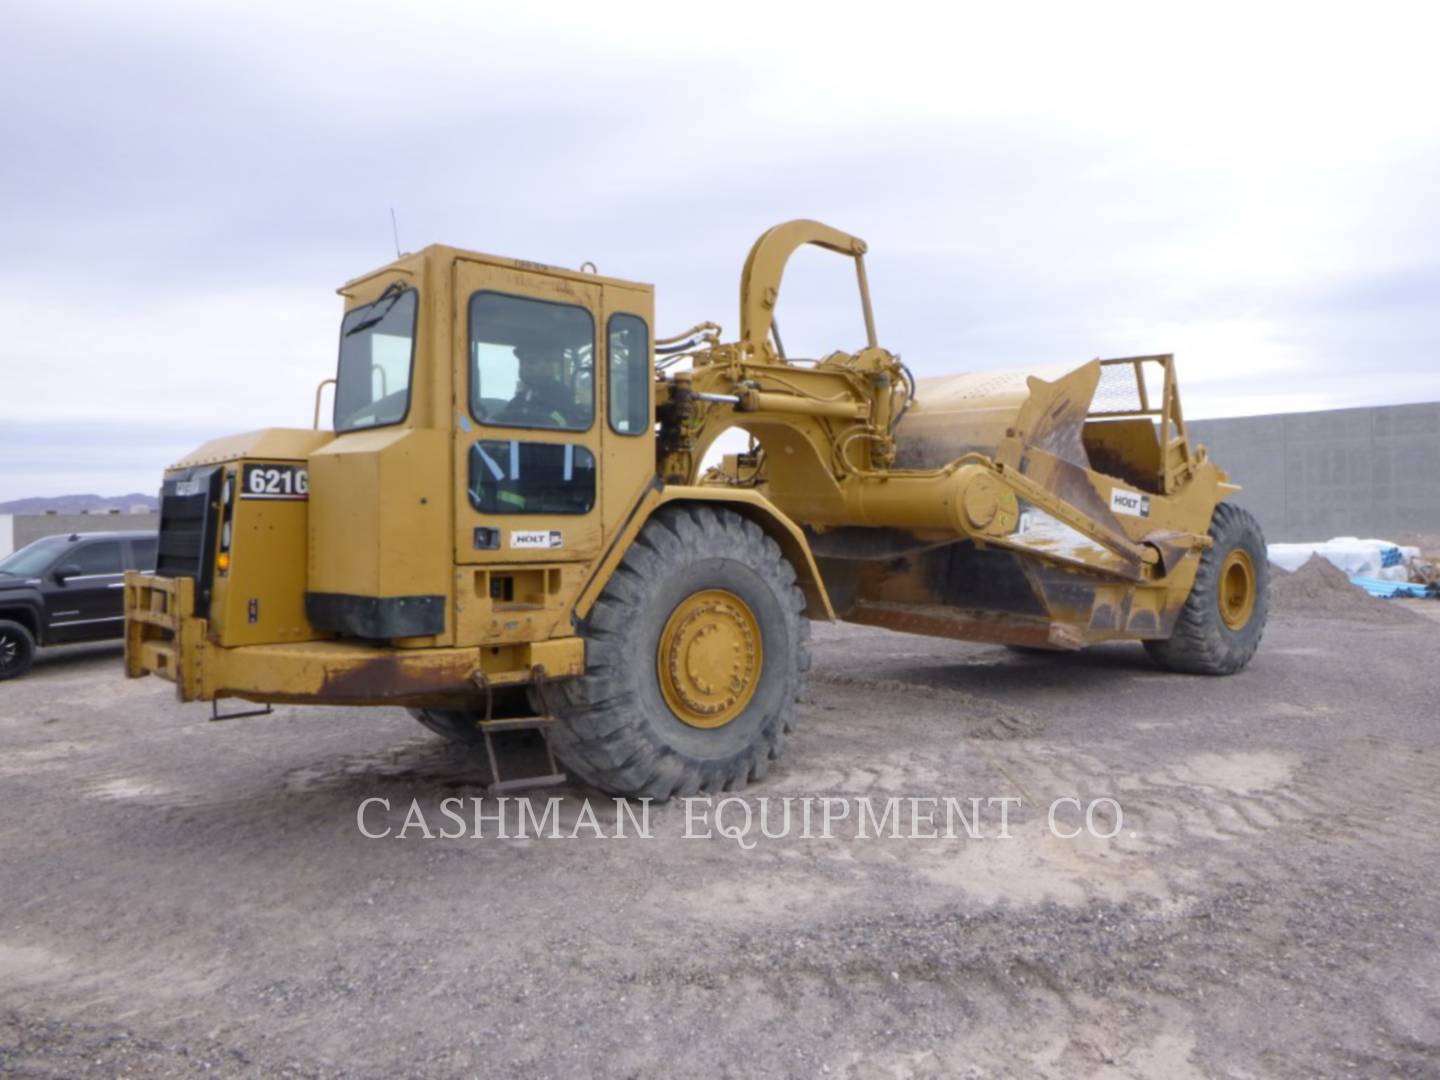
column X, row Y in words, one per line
column 512, row 523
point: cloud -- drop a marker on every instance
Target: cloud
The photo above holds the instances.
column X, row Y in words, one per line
column 183, row 188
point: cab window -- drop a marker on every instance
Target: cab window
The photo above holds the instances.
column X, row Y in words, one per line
column 629, row 374
column 377, row 346
column 532, row 363
column 514, row 477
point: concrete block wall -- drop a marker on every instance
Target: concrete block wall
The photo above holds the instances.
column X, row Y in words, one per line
column 1342, row 472
column 17, row 530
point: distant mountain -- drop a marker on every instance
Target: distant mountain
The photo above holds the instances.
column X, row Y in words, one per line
column 78, row 504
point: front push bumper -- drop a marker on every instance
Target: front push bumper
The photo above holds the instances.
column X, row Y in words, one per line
column 163, row 637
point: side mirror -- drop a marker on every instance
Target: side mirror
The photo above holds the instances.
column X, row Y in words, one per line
column 68, row 570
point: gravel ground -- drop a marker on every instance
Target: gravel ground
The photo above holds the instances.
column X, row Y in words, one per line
column 180, row 897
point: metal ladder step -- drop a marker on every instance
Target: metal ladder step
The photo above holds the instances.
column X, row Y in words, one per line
column 490, row 727
column 498, row 785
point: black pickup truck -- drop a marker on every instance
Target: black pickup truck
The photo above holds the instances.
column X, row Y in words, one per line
column 63, row 589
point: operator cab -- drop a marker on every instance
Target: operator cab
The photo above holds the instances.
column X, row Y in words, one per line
column 475, row 398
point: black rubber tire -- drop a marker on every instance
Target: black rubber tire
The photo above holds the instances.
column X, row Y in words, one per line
column 1201, row 643
column 455, row 725
column 17, row 649
column 459, row 725
column 614, row 730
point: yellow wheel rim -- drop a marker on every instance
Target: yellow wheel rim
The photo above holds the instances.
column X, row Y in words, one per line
column 710, row 658
column 1237, row 589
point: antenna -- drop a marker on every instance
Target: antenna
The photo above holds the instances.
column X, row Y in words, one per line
column 395, row 231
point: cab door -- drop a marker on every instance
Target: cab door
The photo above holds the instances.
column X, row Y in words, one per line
column 628, row 438
column 528, row 422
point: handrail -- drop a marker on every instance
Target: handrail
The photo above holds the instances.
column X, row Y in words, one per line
column 318, row 391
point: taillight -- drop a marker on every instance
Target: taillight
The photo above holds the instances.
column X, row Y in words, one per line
column 227, row 501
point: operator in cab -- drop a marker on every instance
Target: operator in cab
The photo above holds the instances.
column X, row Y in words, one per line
column 541, row 398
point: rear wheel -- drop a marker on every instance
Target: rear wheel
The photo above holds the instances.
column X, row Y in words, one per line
column 17, row 649
column 695, row 656
column 1219, row 628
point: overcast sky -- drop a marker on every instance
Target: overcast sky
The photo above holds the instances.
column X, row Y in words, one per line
column 1253, row 188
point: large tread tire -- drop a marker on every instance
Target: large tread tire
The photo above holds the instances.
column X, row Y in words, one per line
column 17, row 649
column 462, row 725
column 1201, row 643
column 614, row 729
column 455, row 725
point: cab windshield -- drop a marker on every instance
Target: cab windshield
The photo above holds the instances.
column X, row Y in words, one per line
column 377, row 347
column 33, row 559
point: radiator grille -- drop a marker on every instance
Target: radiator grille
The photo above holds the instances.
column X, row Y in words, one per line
column 189, row 514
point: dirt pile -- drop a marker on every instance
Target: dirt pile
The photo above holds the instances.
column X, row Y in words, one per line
column 1319, row 589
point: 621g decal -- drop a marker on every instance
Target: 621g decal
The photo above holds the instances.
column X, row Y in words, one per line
column 274, row 482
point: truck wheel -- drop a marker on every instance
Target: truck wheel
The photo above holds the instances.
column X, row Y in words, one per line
column 17, row 649
column 1219, row 628
column 695, row 655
